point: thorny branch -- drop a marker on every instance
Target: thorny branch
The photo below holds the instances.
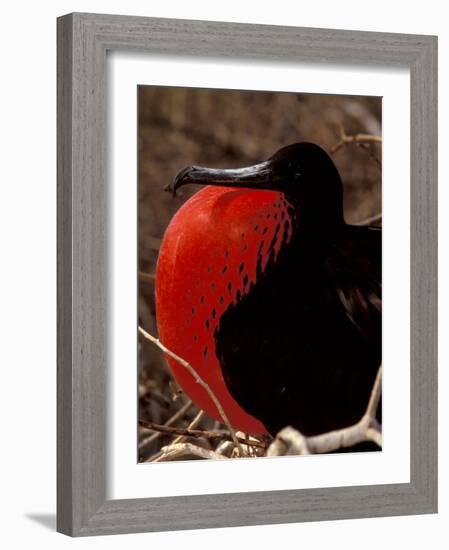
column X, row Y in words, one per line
column 200, row 381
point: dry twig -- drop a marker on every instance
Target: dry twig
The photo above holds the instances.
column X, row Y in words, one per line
column 207, row 434
column 346, row 139
column 200, row 381
column 178, row 415
column 252, row 445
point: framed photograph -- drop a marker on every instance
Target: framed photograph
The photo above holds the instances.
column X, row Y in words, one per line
column 228, row 273
column 247, row 282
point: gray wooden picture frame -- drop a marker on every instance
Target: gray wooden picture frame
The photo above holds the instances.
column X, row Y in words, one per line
column 83, row 40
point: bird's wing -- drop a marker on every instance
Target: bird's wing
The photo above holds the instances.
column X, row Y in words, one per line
column 354, row 270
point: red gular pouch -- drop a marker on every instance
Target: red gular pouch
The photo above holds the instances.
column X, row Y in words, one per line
column 209, row 259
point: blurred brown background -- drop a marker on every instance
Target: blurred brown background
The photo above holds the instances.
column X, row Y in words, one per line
column 230, row 128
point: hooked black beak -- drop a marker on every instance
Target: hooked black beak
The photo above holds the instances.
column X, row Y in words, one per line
column 258, row 176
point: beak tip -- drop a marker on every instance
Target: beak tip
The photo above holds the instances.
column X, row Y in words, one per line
column 181, row 178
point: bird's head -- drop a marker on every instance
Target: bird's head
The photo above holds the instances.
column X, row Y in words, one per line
column 303, row 172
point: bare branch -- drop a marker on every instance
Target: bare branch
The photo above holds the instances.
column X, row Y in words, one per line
column 200, row 381
column 374, row 399
column 374, row 435
column 288, row 442
column 186, row 451
column 346, row 139
column 376, row 219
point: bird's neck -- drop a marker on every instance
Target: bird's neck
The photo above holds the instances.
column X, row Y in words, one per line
column 320, row 221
